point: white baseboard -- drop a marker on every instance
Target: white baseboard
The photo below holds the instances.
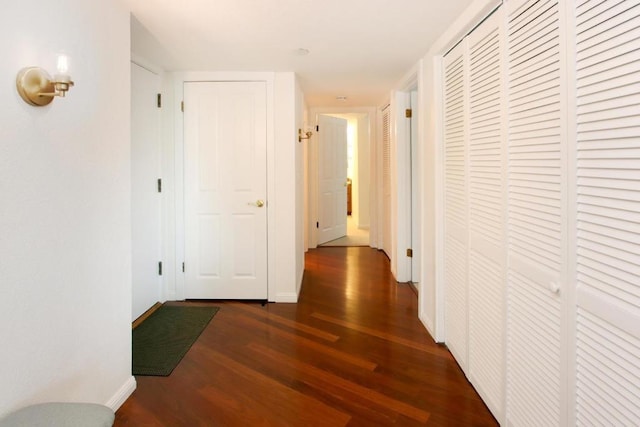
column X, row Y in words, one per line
column 425, row 322
column 299, row 285
column 290, row 297
column 123, row 394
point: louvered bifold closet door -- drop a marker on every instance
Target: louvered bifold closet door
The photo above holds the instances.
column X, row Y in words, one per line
column 608, row 213
column 386, row 181
column 486, row 213
column 536, row 229
column 455, row 203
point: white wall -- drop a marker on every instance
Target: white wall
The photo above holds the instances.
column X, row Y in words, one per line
column 65, row 241
column 364, row 171
column 287, row 231
column 300, row 249
column 168, row 219
column 305, row 197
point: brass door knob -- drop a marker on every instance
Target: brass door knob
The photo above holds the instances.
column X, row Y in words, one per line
column 258, row 203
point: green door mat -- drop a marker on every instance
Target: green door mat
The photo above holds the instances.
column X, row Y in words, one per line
column 162, row 340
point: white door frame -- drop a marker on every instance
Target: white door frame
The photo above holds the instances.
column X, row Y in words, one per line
column 179, row 80
column 312, row 165
column 401, row 177
column 416, row 190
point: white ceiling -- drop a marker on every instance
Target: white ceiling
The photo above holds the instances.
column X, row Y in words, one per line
column 357, row 48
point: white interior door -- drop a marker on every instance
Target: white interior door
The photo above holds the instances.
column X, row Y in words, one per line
column 145, row 199
column 332, row 177
column 225, row 129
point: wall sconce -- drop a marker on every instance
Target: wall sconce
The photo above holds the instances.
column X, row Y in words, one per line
column 307, row 135
column 37, row 87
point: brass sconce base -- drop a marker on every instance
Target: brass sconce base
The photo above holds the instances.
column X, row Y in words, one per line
column 32, row 83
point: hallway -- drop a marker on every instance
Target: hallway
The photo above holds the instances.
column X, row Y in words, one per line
column 355, row 236
column 352, row 352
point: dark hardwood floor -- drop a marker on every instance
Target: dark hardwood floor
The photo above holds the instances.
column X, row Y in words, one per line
column 352, row 352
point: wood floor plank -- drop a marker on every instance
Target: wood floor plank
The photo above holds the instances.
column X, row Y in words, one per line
column 384, row 335
column 350, row 353
column 261, row 394
column 284, row 321
column 323, row 378
column 318, row 348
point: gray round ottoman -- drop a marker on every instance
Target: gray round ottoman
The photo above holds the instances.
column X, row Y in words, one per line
column 60, row 415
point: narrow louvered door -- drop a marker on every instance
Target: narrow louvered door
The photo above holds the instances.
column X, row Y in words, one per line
column 536, row 219
column 486, row 213
column 386, row 181
column 608, row 213
column 455, row 203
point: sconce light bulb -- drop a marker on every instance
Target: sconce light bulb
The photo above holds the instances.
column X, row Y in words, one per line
column 63, row 64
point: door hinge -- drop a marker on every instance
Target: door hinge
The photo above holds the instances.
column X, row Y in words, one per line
column 317, row 224
column 183, row 267
column 160, row 268
column 159, row 100
column 407, row 113
column 317, row 128
column 410, row 253
column 159, row 185
column 182, row 106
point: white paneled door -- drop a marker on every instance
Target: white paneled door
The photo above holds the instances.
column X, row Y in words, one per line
column 145, row 199
column 332, row 178
column 225, row 131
